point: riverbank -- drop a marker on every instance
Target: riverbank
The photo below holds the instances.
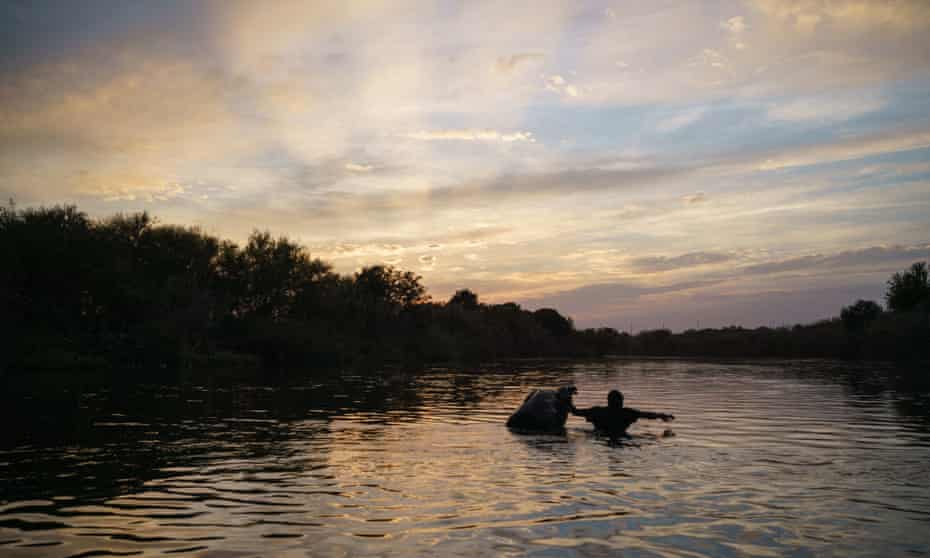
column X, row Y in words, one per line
column 142, row 298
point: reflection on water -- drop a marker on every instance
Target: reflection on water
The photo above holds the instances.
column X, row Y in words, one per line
column 804, row 459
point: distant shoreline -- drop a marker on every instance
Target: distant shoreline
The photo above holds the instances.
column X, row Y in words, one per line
column 131, row 297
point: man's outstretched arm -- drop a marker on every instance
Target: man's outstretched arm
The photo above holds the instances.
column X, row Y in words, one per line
column 581, row 412
column 650, row 415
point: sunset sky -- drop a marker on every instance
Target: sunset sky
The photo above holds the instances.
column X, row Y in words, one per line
column 631, row 164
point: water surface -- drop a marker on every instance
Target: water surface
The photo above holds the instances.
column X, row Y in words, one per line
column 772, row 459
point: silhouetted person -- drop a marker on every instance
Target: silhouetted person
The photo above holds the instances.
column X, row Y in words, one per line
column 614, row 419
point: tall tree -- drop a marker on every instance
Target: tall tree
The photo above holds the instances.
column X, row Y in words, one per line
column 857, row 317
column 908, row 289
column 465, row 298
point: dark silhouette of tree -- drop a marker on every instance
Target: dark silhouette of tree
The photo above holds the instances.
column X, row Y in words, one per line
column 553, row 322
column 465, row 298
column 856, row 318
column 268, row 276
column 133, row 296
column 908, row 289
column 656, row 341
column 385, row 284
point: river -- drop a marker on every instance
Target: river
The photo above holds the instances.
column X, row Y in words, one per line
column 771, row 458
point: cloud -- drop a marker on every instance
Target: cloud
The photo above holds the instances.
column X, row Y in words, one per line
column 831, row 108
column 503, row 192
column 427, row 262
column 608, row 299
column 113, row 127
column 704, row 308
column 857, row 15
column 681, row 120
column 557, row 84
column 655, row 264
column 697, row 197
column 846, row 149
column 324, row 173
column 129, row 187
column 712, row 57
column 366, row 244
column 514, row 195
column 471, row 135
column 763, row 52
column 507, row 64
column 358, row 167
column 355, row 250
column 572, row 181
column 735, row 25
column 872, row 257
column 127, row 100
column 715, row 302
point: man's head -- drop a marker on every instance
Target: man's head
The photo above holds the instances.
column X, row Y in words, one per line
column 615, row 399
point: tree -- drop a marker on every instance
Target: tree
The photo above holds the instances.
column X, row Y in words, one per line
column 907, row 290
column 386, row 284
column 856, row 318
column 553, row 322
column 267, row 276
column 465, row 298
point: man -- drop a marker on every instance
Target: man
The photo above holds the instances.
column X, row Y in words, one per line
column 614, row 419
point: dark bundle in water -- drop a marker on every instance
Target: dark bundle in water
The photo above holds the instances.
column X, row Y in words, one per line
column 544, row 409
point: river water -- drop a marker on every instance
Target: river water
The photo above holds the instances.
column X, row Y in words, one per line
column 764, row 459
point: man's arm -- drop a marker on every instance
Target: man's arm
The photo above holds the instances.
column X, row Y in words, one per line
column 650, row 415
column 579, row 412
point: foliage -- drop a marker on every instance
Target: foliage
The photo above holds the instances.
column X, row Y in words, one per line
column 127, row 293
column 909, row 289
column 857, row 317
column 464, row 298
column 553, row 322
column 399, row 289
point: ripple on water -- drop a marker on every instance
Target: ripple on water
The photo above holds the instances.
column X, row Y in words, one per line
column 772, row 459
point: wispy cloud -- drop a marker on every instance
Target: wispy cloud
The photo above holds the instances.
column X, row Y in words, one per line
column 735, row 27
column 697, row 197
column 610, row 297
column 810, row 15
column 654, row 264
column 681, row 120
column 825, row 108
column 559, row 85
column 847, row 149
column 427, row 262
column 471, row 135
column 869, row 257
column 358, row 167
column 508, row 64
column 735, row 24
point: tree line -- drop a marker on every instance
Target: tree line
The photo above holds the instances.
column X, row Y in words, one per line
column 863, row 330
column 126, row 293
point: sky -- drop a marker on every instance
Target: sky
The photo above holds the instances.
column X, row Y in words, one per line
column 633, row 164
